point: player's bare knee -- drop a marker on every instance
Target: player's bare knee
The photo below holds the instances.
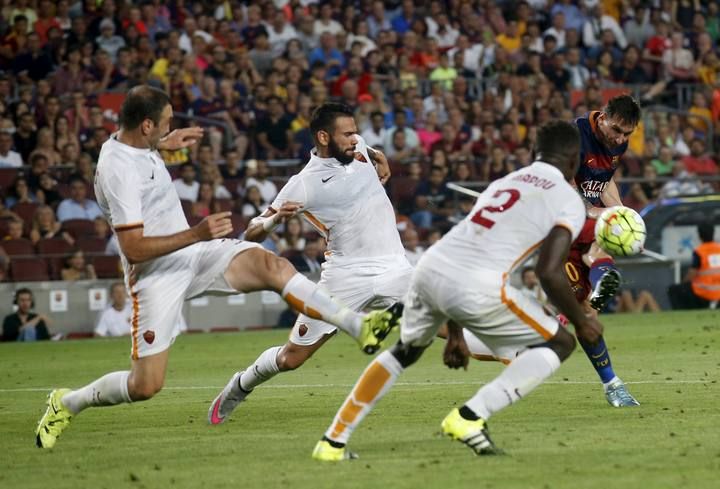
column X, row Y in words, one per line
column 290, row 359
column 144, row 389
column 276, row 270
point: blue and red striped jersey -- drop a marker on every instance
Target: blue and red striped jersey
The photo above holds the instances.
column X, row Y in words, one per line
column 597, row 162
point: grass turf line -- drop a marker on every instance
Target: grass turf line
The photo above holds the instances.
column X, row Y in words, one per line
column 563, row 435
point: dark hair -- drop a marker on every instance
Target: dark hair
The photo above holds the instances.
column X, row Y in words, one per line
column 625, row 108
column 75, row 179
column 557, row 138
column 526, row 270
column 20, row 292
column 323, row 118
column 707, row 232
column 142, row 102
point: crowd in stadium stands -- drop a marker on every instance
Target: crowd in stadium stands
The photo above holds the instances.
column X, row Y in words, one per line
column 449, row 90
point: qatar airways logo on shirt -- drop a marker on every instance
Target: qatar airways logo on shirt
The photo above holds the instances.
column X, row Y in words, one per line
column 593, row 189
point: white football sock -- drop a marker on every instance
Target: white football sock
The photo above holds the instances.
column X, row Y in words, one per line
column 108, row 390
column 263, row 369
column 309, row 299
column 530, row 369
column 372, row 385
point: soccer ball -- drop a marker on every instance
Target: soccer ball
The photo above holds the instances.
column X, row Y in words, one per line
column 620, row 231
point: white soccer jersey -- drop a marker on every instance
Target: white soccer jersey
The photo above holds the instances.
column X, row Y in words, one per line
column 348, row 205
column 133, row 188
column 508, row 222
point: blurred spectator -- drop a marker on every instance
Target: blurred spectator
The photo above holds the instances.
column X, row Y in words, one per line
column 375, row 135
column 187, row 186
column 678, row 62
column 46, row 226
column 8, row 157
column 114, row 320
column 701, row 286
column 432, row 199
column 46, row 146
column 579, row 74
column 75, row 268
column 665, row 162
column 279, row 33
column 292, row 237
column 257, row 172
column 701, row 110
column 205, row 203
column 638, row 27
column 530, row 285
column 78, row 206
column 411, row 243
column 253, row 204
column 325, row 23
column 411, row 137
column 307, row 261
column 23, row 324
column 32, row 63
column 108, row 41
column 25, row 138
column 20, row 193
column 329, row 55
column 273, row 131
column 641, row 301
column 682, row 183
column 596, row 24
column 698, row 162
column 101, row 229
column 261, row 54
column 15, row 228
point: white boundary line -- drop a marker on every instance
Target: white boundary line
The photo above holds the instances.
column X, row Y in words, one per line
column 402, row 384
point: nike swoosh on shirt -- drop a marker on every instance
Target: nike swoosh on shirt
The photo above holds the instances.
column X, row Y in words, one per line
column 324, row 180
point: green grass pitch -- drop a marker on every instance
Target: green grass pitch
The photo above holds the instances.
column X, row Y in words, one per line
column 564, row 435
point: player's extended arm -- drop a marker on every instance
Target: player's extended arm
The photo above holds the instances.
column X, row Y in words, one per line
column 611, row 196
column 138, row 248
column 381, row 164
column 550, row 269
column 456, row 353
column 181, row 138
column 261, row 226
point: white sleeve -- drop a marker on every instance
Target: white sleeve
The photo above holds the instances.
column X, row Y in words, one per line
column 362, row 148
column 293, row 191
column 571, row 214
column 121, row 186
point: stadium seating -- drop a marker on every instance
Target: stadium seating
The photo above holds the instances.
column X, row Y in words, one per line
column 18, row 247
column 106, row 266
column 79, row 228
column 7, row 177
column 28, row 269
column 91, row 245
column 54, row 246
column 26, row 211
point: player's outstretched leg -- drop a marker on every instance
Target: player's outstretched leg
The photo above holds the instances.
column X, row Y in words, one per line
column 257, row 269
column 526, row 372
column 373, row 384
column 605, row 282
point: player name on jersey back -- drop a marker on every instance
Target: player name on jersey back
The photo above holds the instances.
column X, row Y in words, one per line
column 509, row 220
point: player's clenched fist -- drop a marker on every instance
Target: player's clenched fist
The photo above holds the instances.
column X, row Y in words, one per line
column 214, row 226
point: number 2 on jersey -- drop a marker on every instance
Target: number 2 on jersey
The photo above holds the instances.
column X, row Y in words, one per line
column 513, row 196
